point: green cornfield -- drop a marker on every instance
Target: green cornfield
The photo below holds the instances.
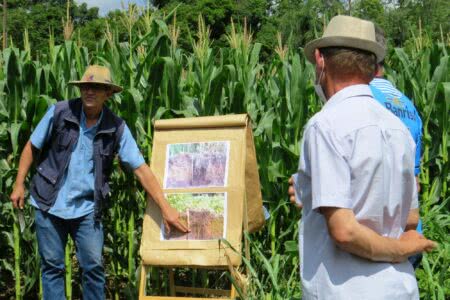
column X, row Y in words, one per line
column 163, row 81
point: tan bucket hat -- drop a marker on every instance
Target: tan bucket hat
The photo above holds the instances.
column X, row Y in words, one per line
column 350, row 32
column 98, row 75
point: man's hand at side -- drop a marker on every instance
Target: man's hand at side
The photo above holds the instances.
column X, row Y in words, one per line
column 170, row 215
column 26, row 159
column 291, row 194
column 18, row 196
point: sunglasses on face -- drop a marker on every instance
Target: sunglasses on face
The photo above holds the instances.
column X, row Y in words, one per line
column 94, row 86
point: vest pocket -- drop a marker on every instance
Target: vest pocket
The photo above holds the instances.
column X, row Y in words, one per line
column 44, row 185
column 64, row 140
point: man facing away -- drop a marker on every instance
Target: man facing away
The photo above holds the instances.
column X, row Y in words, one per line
column 356, row 178
column 395, row 101
column 77, row 141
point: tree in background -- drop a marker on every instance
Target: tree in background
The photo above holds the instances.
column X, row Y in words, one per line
column 298, row 21
column 45, row 16
column 406, row 19
column 370, row 10
column 217, row 15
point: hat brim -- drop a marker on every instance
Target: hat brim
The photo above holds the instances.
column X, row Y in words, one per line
column 347, row 42
column 115, row 88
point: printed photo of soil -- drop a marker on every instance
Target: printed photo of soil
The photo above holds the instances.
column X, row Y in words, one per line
column 196, row 165
column 204, row 215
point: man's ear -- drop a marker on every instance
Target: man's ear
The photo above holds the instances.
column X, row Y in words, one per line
column 110, row 92
column 319, row 58
column 379, row 70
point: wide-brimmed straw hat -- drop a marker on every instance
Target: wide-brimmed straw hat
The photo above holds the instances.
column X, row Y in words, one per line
column 349, row 32
column 97, row 75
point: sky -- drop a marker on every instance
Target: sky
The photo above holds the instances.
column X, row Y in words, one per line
column 108, row 5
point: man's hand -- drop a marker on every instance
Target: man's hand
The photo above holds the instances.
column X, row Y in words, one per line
column 26, row 159
column 172, row 218
column 291, row 193
column 18, row 196
column 413, row 243
column 150, row 184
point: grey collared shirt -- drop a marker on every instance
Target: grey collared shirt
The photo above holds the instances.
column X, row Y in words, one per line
column 356, row 155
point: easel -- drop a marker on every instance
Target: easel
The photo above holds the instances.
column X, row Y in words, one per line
column 243, row 187
column 174, row 289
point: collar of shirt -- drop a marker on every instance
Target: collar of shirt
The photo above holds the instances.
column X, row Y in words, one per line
column 83, row 121
column 383, row 81
column 348, row 92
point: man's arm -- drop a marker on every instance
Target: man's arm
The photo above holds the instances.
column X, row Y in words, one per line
column 355, row 238
column 413, row 219
column 40, row 135
column 413, row 216
column 131, row 157
column 26, row 159
column 152, row 187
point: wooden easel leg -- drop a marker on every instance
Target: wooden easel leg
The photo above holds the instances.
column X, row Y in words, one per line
column 172, row 282
column 143, row 282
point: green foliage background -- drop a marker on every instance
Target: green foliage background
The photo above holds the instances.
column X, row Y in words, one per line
column 162, row 78
column 297, row 20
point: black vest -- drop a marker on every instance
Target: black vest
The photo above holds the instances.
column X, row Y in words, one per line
column 55, row 155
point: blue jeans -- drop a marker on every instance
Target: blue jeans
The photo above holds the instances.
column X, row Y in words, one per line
column 52, row 233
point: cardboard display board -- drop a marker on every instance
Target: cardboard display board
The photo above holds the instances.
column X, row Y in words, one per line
column 208, row 170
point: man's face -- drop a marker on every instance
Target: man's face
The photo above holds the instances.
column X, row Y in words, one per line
column 94, row 95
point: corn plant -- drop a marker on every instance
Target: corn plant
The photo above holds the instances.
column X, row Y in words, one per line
column 161, row 80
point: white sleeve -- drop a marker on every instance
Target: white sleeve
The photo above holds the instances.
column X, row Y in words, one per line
column 330, row 172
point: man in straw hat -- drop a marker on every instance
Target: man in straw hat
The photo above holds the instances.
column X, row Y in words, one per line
column 77, row 141
column 395, row 101
column 356, row 178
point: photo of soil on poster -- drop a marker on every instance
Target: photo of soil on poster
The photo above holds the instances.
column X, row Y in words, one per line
column 203, row 213
column 197, row 165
